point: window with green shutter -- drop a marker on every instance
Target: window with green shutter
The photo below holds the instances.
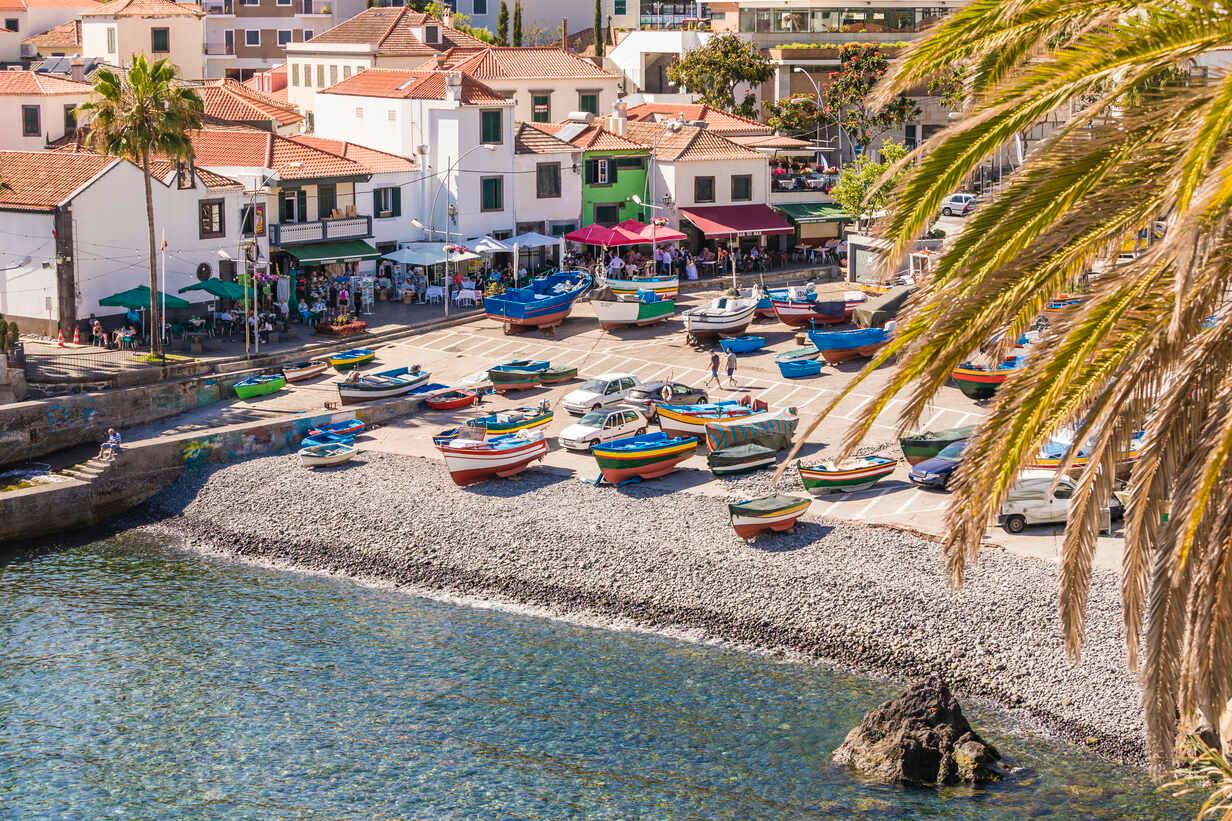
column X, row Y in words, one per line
column 492, row 194
column 541, row 108
column 490, row 126
column 619, row 7
column 547, row 180
column 588, row 101
column 387, row 202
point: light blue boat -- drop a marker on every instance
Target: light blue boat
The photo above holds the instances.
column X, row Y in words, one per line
column 543, row 304
column 742, row 344
column 799, row 368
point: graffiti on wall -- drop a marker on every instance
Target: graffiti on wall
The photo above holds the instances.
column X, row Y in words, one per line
column 62, row 417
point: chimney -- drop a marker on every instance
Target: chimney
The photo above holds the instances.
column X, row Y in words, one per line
column 447, row 17
column 77, row 70
column 453, row 87
column 564, row 34
column 616, row 121
column 441, row 59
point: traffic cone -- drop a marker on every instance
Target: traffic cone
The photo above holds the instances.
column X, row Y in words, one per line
column 76, row 335
column 60, row 338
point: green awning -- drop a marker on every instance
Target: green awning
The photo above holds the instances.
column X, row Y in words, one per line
column 139, row 297
column 218, row 287
column 803, row 212
column 323, row 253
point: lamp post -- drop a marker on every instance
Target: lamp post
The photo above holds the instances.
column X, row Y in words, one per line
column 670, row 127
column 817, row 92
column 453, row 212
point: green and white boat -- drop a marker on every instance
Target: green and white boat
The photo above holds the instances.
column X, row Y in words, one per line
column 846, row 476
column 262, row 385
column 925, row 445
column 622, row 311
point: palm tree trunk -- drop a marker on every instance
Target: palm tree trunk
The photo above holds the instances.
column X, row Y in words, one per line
column 155, row 326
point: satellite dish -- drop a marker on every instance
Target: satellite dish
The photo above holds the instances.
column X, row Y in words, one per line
column 203, row 271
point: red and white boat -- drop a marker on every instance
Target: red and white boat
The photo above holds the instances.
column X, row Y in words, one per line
column 451, row 400
column 472, row 460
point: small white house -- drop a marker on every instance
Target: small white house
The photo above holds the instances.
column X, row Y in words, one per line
column 547, row 183
column 113, row 32
column 36, row 109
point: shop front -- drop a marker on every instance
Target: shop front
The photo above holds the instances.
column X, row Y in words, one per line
column 324, row 281
column 744, row 237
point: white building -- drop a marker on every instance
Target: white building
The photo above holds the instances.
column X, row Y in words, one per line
column 37, row 109
column 60, row 258
column 33, row 17
column 547, row 183
column 113, row 32
column 244, row 37
column 460, row 131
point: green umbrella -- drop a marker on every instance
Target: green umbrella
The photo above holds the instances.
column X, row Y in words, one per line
column 219, row 288
column 139, row 297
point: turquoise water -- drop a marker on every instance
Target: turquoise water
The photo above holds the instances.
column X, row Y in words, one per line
column 139, row 682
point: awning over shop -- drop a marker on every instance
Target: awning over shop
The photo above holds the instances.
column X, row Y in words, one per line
column 217, row 287
column 139, row 297
column 806, row 212
column 323, row 253
column 737, row 220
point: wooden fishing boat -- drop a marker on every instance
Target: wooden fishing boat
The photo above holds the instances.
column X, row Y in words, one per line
column 347, row 427
column 319, row 456
column 742, row 344
column 521, row 365
column 925, row 445
column 543, row 304
column 262, row 385
column 326, row 439
column 690, row 420
column 769, row 428
column 631, row 310
column 980, row 382
column 446, row 436
column 665, row 287
column 642, row 457
column 739, row 459
column 514, row 420
column 765, row 303
column 470, row 460
column 753, row 517
column 725, row 315
column 503, row 381
column 799, row 368
column 1053, row 453
column 847, row 476
column 301, row 371
column 383, row 385
column 350, row 359
column 451, row 400
column 841, row 346
column 810, row 312
column 799, row 354
column 557, row 375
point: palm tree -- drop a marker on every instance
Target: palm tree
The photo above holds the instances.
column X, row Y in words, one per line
column 1143, row 144
column 145, row 114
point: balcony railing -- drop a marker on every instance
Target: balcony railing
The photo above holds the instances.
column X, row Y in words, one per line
column 217, row 49
column 297, row 233
column 674, row 22
column 219, row 7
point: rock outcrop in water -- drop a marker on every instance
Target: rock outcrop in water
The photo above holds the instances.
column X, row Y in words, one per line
column 921, row 737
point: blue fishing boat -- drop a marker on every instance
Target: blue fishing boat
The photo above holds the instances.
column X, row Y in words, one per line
column 543, row 304
column 431, row 387
column 326, row 439
column 642, row 457
column 799, row 368
column 840, row 346
column 805, row 352
column 742, row 344
column 347, row 427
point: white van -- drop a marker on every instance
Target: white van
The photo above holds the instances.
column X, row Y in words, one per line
column 600, row 392
column 1030, row 502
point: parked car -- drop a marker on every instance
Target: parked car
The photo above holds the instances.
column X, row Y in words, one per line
column 646, row 397
column 602, row 426
column 936, row 472
column 1033, row 501
column 600, row 392
column 958, row 205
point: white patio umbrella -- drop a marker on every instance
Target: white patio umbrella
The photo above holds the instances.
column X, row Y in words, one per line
column 488, row 245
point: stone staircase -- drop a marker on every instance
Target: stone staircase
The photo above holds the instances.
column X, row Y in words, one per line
column 91, row 469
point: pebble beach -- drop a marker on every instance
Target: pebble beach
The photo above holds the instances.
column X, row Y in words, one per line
column 868, row 599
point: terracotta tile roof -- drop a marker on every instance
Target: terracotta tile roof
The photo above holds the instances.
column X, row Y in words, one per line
column 690, row 144
column 523, row 63
column 589, row 137
column 230, row 100
column 23, row 5
column 412, row 85
column 161, row 169
column 375, row 161
column 768, row 141
column 145, row 8
column 530, row 140
column 717, row 121
column 390, row 30
column 65, row 35
column 41, row 180
column 29, row 83
column 250, row 147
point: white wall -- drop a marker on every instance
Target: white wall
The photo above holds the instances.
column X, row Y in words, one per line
column 303, row 61
column 528, row 207
column 27, row 266
column 678, row 180
column 335, row 117
column 133, row 36
column 564, row 95
column 52, row 119
column 630, row 53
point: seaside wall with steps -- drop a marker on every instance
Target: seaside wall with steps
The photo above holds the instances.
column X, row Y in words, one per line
column 96, row 491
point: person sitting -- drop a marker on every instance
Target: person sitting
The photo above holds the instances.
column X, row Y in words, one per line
column 110, row 448
column 265, row 330
column 353, row 377
column 98, row 335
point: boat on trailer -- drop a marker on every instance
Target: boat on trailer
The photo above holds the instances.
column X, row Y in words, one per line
column 474, row 457
column 503, row 381
column 800, row 308
column 320, row 456
column 383, row 385
column 648, row 456
column 777, row 513
column 545, row 303
column 846, row 476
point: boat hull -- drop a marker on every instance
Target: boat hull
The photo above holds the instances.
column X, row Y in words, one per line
column 799, row 368
column 798, row 355
column 527, row 423
column 743, row 344
column 844, row 479
column 838, row 355
column 316, row 457
column 503, row 381
column 978, row 384
column 742, row 459
column 621, row 467
column 344, row 362
column 555, row 376
column 631, row 313
column 920, row 447
column 749, row 524
column 354, row 394
column 674, row 423
column 447, row 403
column 467, row 466
column 299, row 374
column 536, row 306
column 348, row 428
column 250, row 390
column 804, row 314
column 666, row 287
column 733, row 323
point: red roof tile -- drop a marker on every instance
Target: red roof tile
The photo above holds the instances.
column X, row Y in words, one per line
column 413, row 85
column 590, row 137
column 22, row 83
column 375, row 161
column 688, row 144
column 391, row 30
column 41, row 180
column 232, row 101
column 523, row 63
column 65, row 35
column 145, row 8
column 161, row 169
column 530, row 140
column 718, row 121
column 249, row 147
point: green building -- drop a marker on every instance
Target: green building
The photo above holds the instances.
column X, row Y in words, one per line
column 614, row 169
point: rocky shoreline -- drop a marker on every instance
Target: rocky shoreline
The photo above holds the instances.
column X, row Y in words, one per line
column 870, row 599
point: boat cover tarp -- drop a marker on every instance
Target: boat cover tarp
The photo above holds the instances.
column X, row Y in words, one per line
column 766, row 505
column 879, row 311
column 738, row 455
column 772, row 431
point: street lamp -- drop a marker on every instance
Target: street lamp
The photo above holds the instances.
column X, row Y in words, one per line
column 670, row 127
column 437, row 198
column 817, row 92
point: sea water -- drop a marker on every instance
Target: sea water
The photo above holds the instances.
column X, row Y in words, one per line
column 144, row 682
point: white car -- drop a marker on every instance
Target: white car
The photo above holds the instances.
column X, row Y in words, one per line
column 602, row 426
column 600, row 392
column 1033, row 501
column 958, row 205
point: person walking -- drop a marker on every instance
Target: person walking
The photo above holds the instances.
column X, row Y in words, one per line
column 714, row 368
column 731, row 368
